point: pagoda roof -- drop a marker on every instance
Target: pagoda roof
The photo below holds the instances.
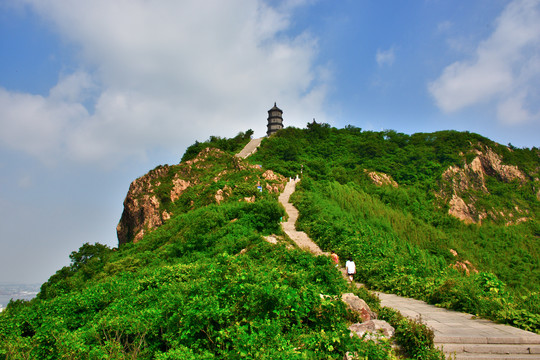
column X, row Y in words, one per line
column 275, row 108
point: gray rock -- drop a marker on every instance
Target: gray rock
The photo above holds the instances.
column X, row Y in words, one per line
column 373, row 329
column 358, row 306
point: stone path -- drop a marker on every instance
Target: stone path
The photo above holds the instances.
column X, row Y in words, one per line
column 458, row 334
column 465, row 336
column 250, row 148
column 299, row 237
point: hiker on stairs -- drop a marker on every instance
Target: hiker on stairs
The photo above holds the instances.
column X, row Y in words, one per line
column 335, row 258
column 351, row 268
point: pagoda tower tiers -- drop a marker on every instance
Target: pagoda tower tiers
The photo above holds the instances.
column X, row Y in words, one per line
column 275, row 120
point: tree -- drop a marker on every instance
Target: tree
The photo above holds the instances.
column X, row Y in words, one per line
column 88, row 252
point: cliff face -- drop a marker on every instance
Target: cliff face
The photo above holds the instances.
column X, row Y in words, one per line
column 212, row 177
column 142, row 207
column 463, row 188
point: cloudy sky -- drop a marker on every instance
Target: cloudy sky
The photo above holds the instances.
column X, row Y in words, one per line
column 93, row 94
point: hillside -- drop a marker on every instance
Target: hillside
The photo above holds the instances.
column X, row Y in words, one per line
column 194, row 278
column 439, row 191
column 448, row 217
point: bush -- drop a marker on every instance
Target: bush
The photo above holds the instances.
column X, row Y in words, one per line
column 413, row 337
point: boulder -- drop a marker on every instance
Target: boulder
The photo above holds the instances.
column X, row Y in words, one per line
column 359, row 306
column 373, row 329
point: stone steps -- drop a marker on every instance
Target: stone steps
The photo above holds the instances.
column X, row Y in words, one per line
column 250, row 148
column 482, row 340
column 461, row 336
column 301, row 239
column 465, row 356
column 514, row 344
column 489, row 347
column 464, row 336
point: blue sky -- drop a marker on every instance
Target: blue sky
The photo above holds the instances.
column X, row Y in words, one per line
column 95, row 94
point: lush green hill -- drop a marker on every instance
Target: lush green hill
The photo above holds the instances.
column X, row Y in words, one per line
column 194, row 277
column 203, row 285
column 400, row 228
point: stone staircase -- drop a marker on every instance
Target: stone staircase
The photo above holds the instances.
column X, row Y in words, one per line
column 250, row 148
column 299, row 237
column 489, row 347
column 460, row 336
column 491, row 351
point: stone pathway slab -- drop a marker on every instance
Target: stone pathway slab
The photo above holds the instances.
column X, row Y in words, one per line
column 466, row 336
column 250, row 148
column 289, row 227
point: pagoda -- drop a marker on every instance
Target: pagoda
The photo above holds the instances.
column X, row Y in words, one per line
column 275, row 120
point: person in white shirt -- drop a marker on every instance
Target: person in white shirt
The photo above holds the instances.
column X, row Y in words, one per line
column 351, row 268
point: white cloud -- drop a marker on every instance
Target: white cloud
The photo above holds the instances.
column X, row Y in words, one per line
column 504, row 70
column 464, row 84
column 36, row 124
column 385, row 57
column 76, row 87
column 513, row 110
column 156, row 74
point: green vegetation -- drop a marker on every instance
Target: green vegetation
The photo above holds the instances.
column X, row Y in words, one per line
column 187, row 290
column 391, row 258
column 402, row 236
column 206, row 285
column 216, row 171
column 413, row 337
column 231, row 146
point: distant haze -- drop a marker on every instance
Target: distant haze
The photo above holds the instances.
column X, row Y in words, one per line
column 17, row 291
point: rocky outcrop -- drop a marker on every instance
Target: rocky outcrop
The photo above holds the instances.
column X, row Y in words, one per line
column 492, row 165
column 274, row 182
column 370, row 328
column 462, row 187
column 464, row 266
column 462, row 211
column 142, row 207
column 381, row 179
column 222, row 194
column 179, row 186
column 373, row 329
column 152, row 198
